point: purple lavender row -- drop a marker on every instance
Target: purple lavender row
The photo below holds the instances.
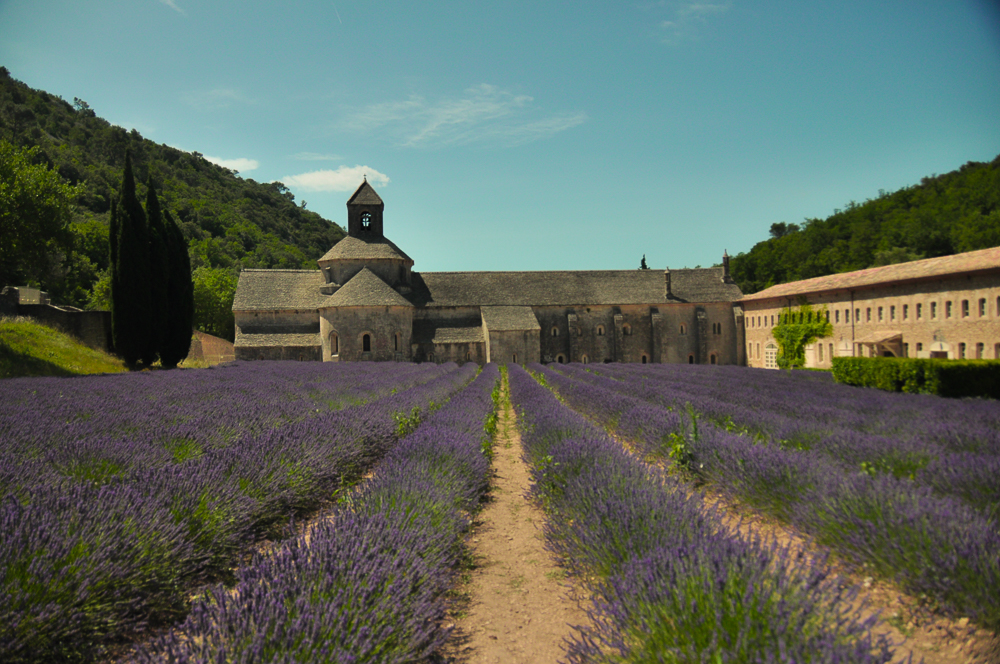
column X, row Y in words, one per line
column 670, row 582
column 36, row 413
column 966, row 425
column 934, row 545
column 88, row 558
column 369, row 584
column 970, row 476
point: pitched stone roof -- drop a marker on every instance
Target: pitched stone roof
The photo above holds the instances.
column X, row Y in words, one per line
column 278, row 290
column 569, row 288
column 447, row 331
column 928, row 268
column 365, row 289
column 509, row 318
column 267, row 340
column 355, row 248
column 364, row 195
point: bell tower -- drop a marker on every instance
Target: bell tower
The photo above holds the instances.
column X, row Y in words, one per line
column 364, row 214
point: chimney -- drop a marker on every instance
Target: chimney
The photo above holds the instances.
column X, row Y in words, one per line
column 666, row 280
column 726, row 278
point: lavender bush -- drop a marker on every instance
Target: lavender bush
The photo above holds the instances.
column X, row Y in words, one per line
column 670, row 581
column 369, row 583
column 935, row 545
column 110, row 519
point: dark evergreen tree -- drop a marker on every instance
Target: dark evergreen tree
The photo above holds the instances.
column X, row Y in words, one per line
column 642, row 263
column 158, row 274
column 179, row 298
column 130, row 301
column 113, row 259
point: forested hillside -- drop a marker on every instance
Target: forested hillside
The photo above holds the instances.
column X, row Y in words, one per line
column 229, row 222
column 943, row 215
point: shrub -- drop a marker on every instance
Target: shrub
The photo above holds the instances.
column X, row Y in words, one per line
column 946, row 378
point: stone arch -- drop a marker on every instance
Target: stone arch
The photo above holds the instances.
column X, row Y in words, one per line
column 555, row 331
column 644, row 358
column 600, row 330
column 584, row 359
column 560, row 358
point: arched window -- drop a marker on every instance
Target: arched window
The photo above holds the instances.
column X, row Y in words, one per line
column 555, row 331
column 626, row 329
column 600, row 330
column 561, row 359
column 690, row 359
column 301, row 357
column 515, row 358
column 684, row 329
column 644, row 359
column 366, row 343
column 468, row 355
column 334, row 344
column 583, row 358
column 711, row 358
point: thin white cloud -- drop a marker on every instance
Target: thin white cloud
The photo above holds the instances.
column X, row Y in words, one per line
column 209, row 100
column 316, row 156
column 480, row 113
column 239, row 165
column 687, row 17
column 173, row 5
column 345, row 178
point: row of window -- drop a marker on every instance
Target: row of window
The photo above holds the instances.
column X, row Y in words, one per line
column 366, row 342
column 883, row 313
column 964, row 351
column 627, row 330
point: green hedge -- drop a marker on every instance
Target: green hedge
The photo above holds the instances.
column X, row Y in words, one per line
column 946, row 378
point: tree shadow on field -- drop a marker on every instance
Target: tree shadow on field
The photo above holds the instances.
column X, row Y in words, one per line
column 14, row 364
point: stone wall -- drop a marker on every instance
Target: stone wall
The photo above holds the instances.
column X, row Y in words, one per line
column 513, row 346
column 917, row 311
column 389, row 331
column 93, row 328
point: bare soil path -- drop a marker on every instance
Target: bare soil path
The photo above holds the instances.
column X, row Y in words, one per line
column 517, row 607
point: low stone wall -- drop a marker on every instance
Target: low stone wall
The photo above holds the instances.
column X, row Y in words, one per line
column 212, row 350
column 93, row 328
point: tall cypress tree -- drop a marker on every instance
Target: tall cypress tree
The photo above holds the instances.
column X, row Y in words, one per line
column 180, row 297
column 113, row 231
column 130, row 301
column 158, row 274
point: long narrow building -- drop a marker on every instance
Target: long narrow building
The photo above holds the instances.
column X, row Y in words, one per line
column 365, row 302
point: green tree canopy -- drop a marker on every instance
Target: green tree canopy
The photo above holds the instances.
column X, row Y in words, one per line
column 214, row 289
column 36, row 207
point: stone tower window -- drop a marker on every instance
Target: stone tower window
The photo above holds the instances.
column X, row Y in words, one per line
column 561, row 359
column 366, row 221
column 600, row 330
column 366, row 343
column 555, row 331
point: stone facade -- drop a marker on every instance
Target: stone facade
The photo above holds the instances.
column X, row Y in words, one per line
column 366, row 303
column 946, row 307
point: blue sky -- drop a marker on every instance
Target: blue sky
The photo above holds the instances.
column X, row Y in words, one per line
column 542, row 135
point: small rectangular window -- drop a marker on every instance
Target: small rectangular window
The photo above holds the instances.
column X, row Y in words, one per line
column 827, row 314
column 906, row 311
column 880, row 314
column 979, row 351
column 920, row 310
column 857, row 315
column 868, row 314
column 847, row 315
column 892, row 312
column 947, row 309
column 961, row 351
column 965, row 308
column 772, row 315
column 920, row 347
column 933, row 310
column 820, row 352
column 906, row 350
column 982, row 307
column 836, row 316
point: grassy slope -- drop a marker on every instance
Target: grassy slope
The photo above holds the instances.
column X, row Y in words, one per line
column 30, row 349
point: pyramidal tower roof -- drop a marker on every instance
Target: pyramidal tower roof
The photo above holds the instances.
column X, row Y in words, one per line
column 365, row 195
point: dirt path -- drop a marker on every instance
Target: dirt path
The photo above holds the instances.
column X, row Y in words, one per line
column 517, row 607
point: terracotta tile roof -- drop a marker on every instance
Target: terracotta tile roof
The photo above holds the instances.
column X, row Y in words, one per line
column 928, row 268
column 569, row 288
column 355, row 248
column 278, row 290
column 365, row 289
column 509, row 318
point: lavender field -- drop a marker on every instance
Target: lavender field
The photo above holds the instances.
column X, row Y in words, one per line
column 133, row 505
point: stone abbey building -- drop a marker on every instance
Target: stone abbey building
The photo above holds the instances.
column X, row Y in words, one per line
column 367, row 303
